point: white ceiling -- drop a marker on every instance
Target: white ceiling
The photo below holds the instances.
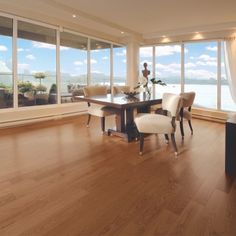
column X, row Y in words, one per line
column 150, row 18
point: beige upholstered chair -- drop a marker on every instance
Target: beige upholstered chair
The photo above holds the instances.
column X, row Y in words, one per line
column 185, row 111
column 160, row 124
column 117, row 89
column 98, row 110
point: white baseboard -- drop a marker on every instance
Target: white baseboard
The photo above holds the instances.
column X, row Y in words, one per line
column 27, row 115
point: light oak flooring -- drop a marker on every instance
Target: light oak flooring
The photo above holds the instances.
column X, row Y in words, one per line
column 61, row 178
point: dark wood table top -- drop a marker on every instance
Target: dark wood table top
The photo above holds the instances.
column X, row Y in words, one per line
column 121, row 101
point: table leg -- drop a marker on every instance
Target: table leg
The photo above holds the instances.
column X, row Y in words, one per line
column 120, row 126
column 120, row 121
column 131, row 129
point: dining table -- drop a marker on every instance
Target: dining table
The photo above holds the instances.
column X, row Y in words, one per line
column 125, row 107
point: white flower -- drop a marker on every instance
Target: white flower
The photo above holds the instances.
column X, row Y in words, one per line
column 142, row 84
column 143, row 81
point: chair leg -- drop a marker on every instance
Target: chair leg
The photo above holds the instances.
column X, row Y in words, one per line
column 88, row 121
column 167, row 138
column 141, row 142
column 190, row 126
column 181, row 125
column 174, row 143
column 103, row 124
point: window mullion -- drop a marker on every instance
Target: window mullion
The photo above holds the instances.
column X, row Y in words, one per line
column 219, row 75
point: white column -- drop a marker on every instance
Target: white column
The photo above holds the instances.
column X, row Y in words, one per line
column 132, row 63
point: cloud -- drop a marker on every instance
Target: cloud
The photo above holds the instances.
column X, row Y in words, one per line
column 92, row 61
column 161, row 51
column 23, row 66
column 123, row 53
column 168, row 69
column 20, row 49
column 200, row 74
column 30, row 57
column 209, row 48
column 190, row 65
column 43, row 45
column 205, row 57
column 145, row 52
column 206, row 63
column 124, row 60
column 96, row 71
column 168, row 50
column 105, row 58
column 78, row 63
column 3, row 48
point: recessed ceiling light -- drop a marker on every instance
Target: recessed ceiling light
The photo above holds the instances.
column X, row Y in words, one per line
column 197, row 32
column 163, row 36
column 122, row 32
column 74, row 16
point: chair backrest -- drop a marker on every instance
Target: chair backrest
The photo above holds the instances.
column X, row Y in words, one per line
column 95, row 90
column 116, row 89
column 172, row 103
column 187, row 99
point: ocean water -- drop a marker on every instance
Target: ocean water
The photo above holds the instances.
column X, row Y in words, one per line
column 206, row 95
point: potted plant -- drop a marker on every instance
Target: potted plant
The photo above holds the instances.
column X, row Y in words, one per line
column 40, row 76
column 25, row 87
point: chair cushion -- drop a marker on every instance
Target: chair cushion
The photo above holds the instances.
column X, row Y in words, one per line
column 153, row 123
column 94, row 90
column 101, row 111
column 187, row 115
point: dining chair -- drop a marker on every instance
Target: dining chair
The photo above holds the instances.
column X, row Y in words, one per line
column 95, row 109
column 185, row 111
column 118, row 89
column 160, row 123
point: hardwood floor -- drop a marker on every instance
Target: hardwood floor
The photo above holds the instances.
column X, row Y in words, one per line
column 61, row 178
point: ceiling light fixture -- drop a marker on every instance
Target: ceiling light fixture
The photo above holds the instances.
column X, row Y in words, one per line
column 163, row 36
column 74, row 16
column 122, row 32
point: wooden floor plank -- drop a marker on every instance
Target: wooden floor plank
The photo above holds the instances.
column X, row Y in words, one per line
column 61, row 178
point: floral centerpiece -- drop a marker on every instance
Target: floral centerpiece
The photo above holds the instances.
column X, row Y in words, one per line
column 142, row 85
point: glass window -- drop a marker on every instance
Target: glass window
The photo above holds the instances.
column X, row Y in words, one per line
column 168, row 68
column 36, row 46
column 119, row 65
column 201, row 73
column 227, row 102
column 100, row 62
column 6, row 77
column 73, row 56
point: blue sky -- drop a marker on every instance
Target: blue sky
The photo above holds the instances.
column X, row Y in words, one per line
column 36, row 56
column 200, row 59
